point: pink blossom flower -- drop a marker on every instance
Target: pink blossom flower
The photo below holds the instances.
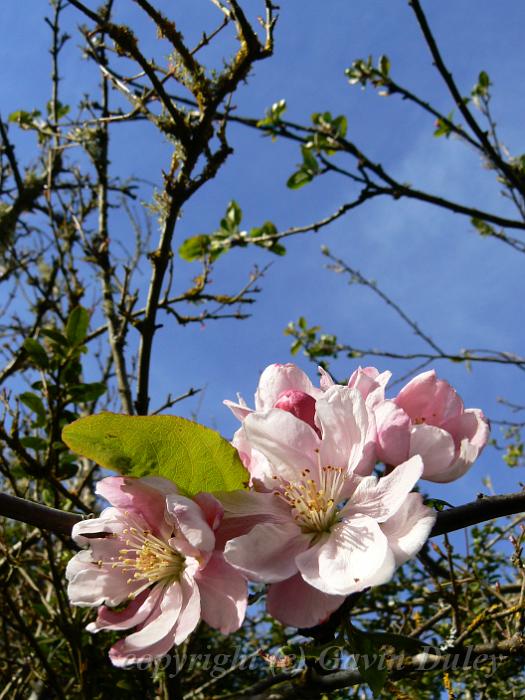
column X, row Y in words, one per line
column 286, row 385
column 289, row 389
column 323, row 531
column 154, row 551
column 428, row 418
column 370, row 384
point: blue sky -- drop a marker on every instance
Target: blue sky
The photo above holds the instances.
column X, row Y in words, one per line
column 464, row 291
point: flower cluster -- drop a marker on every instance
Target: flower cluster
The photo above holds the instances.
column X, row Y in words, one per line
column 319, row 522
column 153, row 565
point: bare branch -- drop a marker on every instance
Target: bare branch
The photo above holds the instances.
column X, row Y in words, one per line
column 460, row 102
column 58, row 521
column 483, row 509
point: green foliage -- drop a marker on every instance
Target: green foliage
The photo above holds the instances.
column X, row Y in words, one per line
column 514, row 455
column 273, row 115
column 196, row 458
column 329, row 130
column 314, row 343
column 57, row 394
column 363, row 72
column 307, row 170
column 25, row 120
column 77, row 326
column 196, row 248
column 373, row 672
column 229, row 235
column 61, row 109
column 444, row 127
column 481, row 88
column 36, row 353
column 483, row 228
column 324, row 141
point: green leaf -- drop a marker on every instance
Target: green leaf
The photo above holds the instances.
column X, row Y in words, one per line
column 483, row 228
column 484, row 80
column 299, row 179
column 340, row 125
column 55, row 336
column 34, row 443
column 61, row 109
column 384, row 65
column 273, row 114
column 309, row 160
column 67, row 470
column 196, row 458
column 374, row 675
column 369, row 661
column 24, row 119
column 34, row 402
column 36, row 352
column 234, row 214
column 275, row 248
column 82, row 393
column 295, row 347
column 398, row 641
column 195, row 248
column 444, row 126
column 437, row 503
column 77, row 326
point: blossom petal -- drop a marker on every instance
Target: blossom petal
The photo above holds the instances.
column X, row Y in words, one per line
column 111, row 520
column 294, row 602
column 393, row 433
column 287, row 442
column 470, row 425
column 467, row 455
column 242, row 504
column 239, row 410
column 245, row 509
column 267, row 553
column 429, row 399
column 159, row 628
column 159, row 483
column 91, row 585
column 381, row 498
column 191, row 609
column 121, row 657
column 436, row 448
column 211, row 508
column 278, row 378
column 135, row 613
column 299, row 404
column 189, row 518
column 370, row 383
column 129, row 493
column 326, row 380
column 352, row 557
column 343, row 418
column 261, row 471
column 224, row 594
column 408, row 529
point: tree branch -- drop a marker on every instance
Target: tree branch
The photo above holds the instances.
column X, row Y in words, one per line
column 461, row 104
column 294, row 684
column 484, row 508
column 478, row 511
column 59, row 521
